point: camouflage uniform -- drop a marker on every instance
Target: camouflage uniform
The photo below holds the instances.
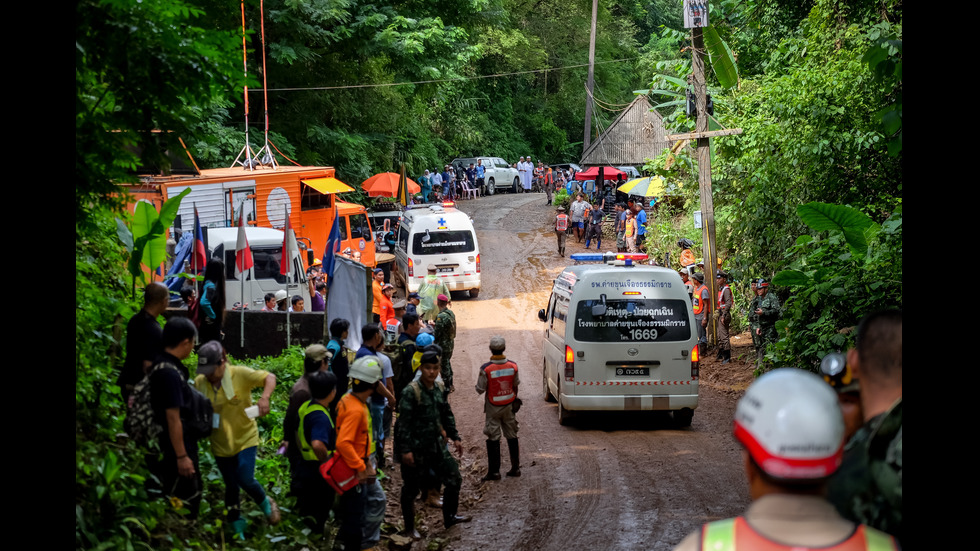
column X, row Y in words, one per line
column 868, row 486
column 766, row 322
column 422, row 416
column 445, row 335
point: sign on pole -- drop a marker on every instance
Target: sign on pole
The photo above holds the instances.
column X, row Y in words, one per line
column 695, row 13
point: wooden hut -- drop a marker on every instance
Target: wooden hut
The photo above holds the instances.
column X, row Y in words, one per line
column 636, row 135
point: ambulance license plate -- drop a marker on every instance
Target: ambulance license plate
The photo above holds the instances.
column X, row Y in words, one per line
column 446, row 270
column 632, row 371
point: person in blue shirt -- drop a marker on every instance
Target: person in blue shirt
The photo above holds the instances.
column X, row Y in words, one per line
column 641, row 222
column 480, row 173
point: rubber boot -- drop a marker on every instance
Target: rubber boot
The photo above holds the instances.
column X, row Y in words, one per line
column 408, row 515
column 727, row 356
column 493, row 460
column 515, row 457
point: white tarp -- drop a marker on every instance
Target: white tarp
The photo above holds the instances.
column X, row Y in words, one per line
column 350, row 298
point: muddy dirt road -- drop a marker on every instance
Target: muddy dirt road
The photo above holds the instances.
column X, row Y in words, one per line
column 610, row 481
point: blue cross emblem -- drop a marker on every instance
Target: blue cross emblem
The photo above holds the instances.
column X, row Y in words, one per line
column 442, row 221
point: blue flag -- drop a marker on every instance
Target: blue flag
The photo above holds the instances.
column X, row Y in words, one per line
column 333, row 246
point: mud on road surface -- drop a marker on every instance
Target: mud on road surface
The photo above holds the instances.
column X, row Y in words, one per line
column 609, row 481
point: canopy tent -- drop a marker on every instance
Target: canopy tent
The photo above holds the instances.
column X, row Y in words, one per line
column 608, row 173
column 386, row 185
column 328, row 185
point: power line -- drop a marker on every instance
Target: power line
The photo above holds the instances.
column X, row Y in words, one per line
column 456, row 79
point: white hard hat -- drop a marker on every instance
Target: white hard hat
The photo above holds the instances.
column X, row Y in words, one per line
column 366, row 369
column 790, row 423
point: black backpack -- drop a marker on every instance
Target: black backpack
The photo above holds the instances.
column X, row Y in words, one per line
column 196, row 416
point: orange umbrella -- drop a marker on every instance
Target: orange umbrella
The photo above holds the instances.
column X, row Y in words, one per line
column 386, row 185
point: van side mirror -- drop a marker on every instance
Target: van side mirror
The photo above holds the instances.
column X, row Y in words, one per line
column 309, row 257
column 542, row 315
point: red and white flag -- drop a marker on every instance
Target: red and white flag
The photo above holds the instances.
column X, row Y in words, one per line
column 288, row 244
column 243, row 253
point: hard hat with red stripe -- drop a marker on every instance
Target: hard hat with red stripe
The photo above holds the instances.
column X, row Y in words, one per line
column 791, row 425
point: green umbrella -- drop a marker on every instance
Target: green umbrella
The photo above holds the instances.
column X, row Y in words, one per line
column 646, row 187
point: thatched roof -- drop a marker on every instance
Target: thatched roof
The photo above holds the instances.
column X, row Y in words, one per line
column 637, row 134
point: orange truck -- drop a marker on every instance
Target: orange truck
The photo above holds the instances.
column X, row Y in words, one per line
column 307, row 195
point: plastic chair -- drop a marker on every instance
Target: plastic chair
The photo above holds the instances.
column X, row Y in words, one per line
column 468, row 191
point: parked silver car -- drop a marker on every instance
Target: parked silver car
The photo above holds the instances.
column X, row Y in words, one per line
column 498, row 174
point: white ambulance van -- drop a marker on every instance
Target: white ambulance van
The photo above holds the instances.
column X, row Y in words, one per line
column 620, row 336
column 441, row 236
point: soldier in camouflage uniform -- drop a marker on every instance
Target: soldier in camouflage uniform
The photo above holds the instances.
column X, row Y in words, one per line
column 425, row 425
column 766, row 311
column 868, row 486
column 445, row 334
column 753, row 318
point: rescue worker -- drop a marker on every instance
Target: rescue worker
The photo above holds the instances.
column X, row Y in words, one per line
column 430, row 288
column 687, row 257
column 793, row 437
column 315, row 441
column 594, row 231
column 445, row 336
column 868, row 487
column 561, row 229
column 363, row 506
column 723, row 313
column 498, row 378
column 752, row 317
column 702, row 306
column 767, row 313
column 425, row 425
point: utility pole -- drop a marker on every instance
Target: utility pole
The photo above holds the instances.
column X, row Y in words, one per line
column 702, row 135
column 590, row 84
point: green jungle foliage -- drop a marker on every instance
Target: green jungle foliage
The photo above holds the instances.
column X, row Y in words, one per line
column 817, row 91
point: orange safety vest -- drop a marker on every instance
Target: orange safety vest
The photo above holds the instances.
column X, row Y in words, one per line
column 721, row 293
column 698, row 305
column 561, row 224
column 500, row 382
column 735, row 533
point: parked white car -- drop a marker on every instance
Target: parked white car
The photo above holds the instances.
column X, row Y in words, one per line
column 499, row 175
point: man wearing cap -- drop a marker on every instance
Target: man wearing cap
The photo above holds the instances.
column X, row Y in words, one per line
column 701, row 300
column 425, row 426
column 432, row 286
column 792, row 433
column 362, row 507
column 314, row 438
column 314, row 360
column 498, row 378
column 561, row 229
column 445, row 335
column 235, row 438
column 766, row 313
column 723, row 314
column 377, row 280
column 868, row 487
column 413, row 303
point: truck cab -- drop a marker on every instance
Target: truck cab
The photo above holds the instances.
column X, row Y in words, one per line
column 266, row 245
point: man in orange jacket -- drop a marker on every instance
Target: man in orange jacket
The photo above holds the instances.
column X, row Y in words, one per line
column 363, row 506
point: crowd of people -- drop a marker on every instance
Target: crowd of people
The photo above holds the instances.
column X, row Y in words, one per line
column 823, row 461
column 338, row 419
column 453, row 182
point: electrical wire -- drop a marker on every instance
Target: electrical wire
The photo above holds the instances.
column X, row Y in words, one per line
column 455, row 79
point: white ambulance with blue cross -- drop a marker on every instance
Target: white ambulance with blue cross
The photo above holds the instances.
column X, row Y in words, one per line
column 442, row 236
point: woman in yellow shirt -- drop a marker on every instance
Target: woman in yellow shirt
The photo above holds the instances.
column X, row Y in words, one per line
column 235, row 435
